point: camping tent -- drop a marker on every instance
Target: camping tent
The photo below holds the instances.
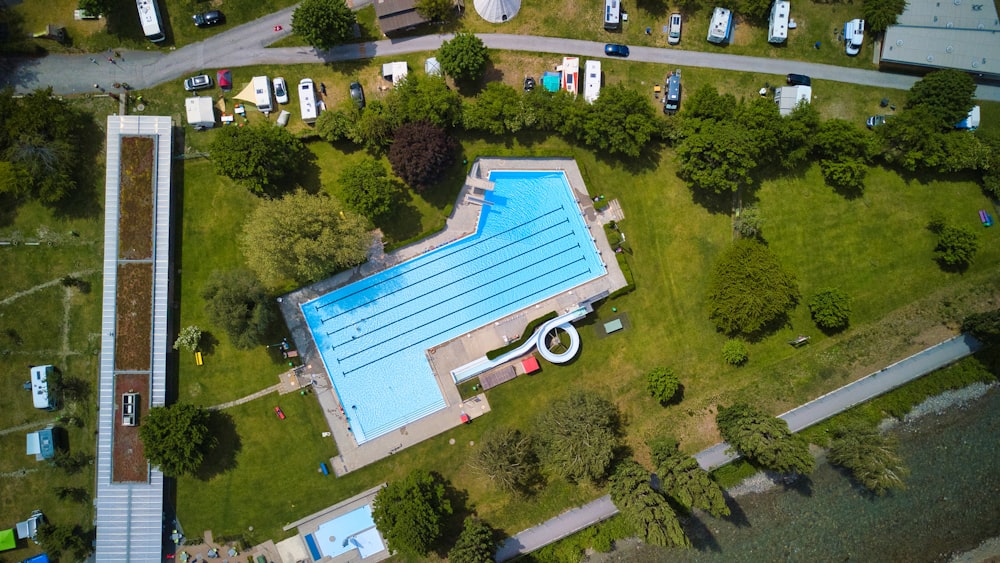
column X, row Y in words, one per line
column 7, row 539
column 497, row 11
column 432, row 67
column 225, row 80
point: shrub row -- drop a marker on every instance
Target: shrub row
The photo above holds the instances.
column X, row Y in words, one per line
column 528, row 331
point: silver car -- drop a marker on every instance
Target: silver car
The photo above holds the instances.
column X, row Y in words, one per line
column 199, row 82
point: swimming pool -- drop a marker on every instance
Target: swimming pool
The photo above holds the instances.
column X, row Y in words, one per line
column 531, row 244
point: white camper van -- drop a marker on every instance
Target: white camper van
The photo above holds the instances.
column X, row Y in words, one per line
column 307, row 100
column 262, row 93
column 592, row 81
column 41, row 392
column 612, row 15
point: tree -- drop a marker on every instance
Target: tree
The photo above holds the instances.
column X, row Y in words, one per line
column 264, row 158
column 844, row 151
column 662, row 384
column 333, row 126
column 435, row 10
column 830, row 308
column 175, row 438
column 507, row 457
column 764, row 439
column 957, row 247
column 304, row 237
column 368, row 190
column 795, row 135
column 323, row 24
column 913, row 140
column 410, row 513
column 475, row 544
column 420, row 154
column 870, row 457
column 748, row 222
column 684, row 481
column 985, row 327
column 14, row 180
column 71, row 463
column 946, row 94
column 620, row 121
column 578, row 436
column 236, row 301
column 720, row 158
column 464, row 57
column 708, row 104
column 644, row 507
column 96, row 7
column 57, row 540
column 425, row 98
column 880, row 14
column 189, row 338
column 734, row 352
column 755, row 10
column 749, row 291
column 374, row 127
column 497, row 110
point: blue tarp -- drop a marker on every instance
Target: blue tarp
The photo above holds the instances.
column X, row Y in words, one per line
column 43, row 558
column 551, row 81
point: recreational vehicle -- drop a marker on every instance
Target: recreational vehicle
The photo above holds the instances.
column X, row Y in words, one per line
column 854, row 34
column 149, row 17
column 612, row 15
column 262, row 94
column 570, row 75
column 672, row 99
column 307, row 100
column 777, row 29
column 42, row 395
column 592, row 81
column 720, row 30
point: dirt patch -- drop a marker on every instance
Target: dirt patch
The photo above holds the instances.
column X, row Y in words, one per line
column 128, row 461
column 134, row 306
column 135, row 199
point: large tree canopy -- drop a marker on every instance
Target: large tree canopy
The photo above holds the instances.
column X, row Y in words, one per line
column 720, row 157
column 764, row 439
column 880, row 14
column 368, row 189
column 578, row 436
column 749, row 291
column 497, row 110
column 175, row 438
column 425, row 98
column 621, row 121
column 946, row 94
column 507, row 457
column 410, row 513
column 323, row 23
column 644, row 507
column 684, row 481
column 464, row 57
column 420, row 153
column 236, row 301
column 264, row 158
column 303, row 237
column 475, row 544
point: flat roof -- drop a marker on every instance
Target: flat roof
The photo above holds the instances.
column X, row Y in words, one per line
column 942, row 34
column 129, row 516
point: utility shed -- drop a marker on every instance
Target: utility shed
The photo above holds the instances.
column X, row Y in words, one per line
column 787, row 97
column 200, row 113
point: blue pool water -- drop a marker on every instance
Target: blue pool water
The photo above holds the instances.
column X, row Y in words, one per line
column 531, row 244
column 354, row 530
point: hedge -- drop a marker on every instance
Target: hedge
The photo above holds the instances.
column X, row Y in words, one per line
column 528, row 331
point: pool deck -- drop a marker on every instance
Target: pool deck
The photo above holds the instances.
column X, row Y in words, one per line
column 310, row 524
column 461, row 350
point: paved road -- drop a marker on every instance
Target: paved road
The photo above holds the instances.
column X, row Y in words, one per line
column 247, row 45
column 798, row 418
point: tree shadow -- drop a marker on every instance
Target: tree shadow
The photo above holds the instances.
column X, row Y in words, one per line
column 737, row 516
column 654, row 7
column 711, row 201
column 701, row 535
column 676, row 399
column 453, row 523
column 800, row 484
column 208, row 343
column 85, row 202
column 222, row 457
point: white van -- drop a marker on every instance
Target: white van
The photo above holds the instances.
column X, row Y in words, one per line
column 262, row 93
column 307, row 100
column 674, row 30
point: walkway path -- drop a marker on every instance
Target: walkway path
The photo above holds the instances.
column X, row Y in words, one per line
column 272, row 389
column 820, row 409
column 247, row 45
column 28, row 426
column 41, row 286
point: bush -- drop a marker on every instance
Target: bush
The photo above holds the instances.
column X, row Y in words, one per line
column 749, row 292
column 662, row 384
column 957, row 247
column 735, row 352
column 830, row 308
column 237, row 302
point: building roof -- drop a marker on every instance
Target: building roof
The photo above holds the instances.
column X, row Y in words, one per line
column 530, row 364
column 497, row 11
column 130, row 515
column 787, row 97
column 935, row 34
column 397, row 15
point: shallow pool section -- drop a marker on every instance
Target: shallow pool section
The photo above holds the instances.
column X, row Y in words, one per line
column 354, row 530
column 531, row 244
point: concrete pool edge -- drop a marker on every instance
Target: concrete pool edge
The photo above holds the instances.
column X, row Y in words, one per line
column 462, row 222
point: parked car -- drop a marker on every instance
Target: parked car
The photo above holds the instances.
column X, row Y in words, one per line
column 280, row 90
column 529, row 83
column 876, row 120
column 199, row 82
column 616, row 50
column 798, row 80
column 358, row 95
column 674, row 29
column 854, row 35
column 208, row 19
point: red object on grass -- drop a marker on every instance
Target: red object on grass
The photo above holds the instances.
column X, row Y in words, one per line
column 530, row 364
column 466, row 418
column 278, row 411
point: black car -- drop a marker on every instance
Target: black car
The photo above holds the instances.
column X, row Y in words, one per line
column 529, row 84
column 798, row 80
column 358, row 95
column 208, row 19
column 615, row 50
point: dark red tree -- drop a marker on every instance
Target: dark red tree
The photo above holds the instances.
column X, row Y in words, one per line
column 420, row 153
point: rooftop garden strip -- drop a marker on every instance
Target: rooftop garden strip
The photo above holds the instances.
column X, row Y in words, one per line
column 135, row 203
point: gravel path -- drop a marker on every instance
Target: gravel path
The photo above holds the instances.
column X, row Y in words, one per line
column 272, row 389
column 41, row 286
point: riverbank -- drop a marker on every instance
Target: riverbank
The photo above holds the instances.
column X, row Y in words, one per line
column 954, row 467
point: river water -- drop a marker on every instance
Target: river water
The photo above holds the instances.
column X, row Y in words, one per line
column 951, row 505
